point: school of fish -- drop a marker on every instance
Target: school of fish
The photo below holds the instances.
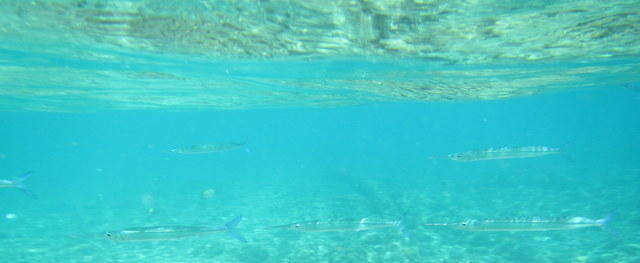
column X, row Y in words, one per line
column 156, row 233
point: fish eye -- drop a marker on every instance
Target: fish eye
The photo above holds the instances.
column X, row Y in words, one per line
column 463, row 223
column 297, row 225
column 108, row 235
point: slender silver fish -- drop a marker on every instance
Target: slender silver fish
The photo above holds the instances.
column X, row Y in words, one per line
column 525, row 225
column 339, row 225
column 207, row 148
column 501, row 153
column 173, row 232
column 17, row 183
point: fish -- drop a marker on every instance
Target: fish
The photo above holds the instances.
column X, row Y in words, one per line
column 635, row 87
column 526, row 225
column 501, row 153
column 17, row 183
column 207, row 148
column 339, row 225
column 157, row 233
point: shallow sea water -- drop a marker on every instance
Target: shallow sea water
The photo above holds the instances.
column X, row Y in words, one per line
column 109, row 171
column 102, row 151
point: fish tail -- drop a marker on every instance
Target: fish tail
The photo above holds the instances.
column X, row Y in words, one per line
column 18, row 183
column 604, row 222
column 400, row 225
column 231, row 228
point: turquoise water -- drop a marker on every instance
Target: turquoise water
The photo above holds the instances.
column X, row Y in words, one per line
column 344, row 110
column 95, row 172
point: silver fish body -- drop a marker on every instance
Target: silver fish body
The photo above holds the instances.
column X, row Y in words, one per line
column 160, row 233
column 503, row 153
column 173, row 232
column 7, row 184
column 525, row 225
column 207, row 148
column 338, row 225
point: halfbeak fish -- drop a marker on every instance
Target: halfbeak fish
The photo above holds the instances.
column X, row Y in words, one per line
column 17, row 183
column 339, row 225
column 525, row 225
column 500, row 153
column 173, row 232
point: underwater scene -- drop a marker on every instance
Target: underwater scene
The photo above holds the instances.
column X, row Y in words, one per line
column 319, row 131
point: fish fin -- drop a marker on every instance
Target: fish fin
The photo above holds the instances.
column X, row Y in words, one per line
column 23, row 177
column 26, row 191
column 403, row 229
column 605, row 223
column 233, row 231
